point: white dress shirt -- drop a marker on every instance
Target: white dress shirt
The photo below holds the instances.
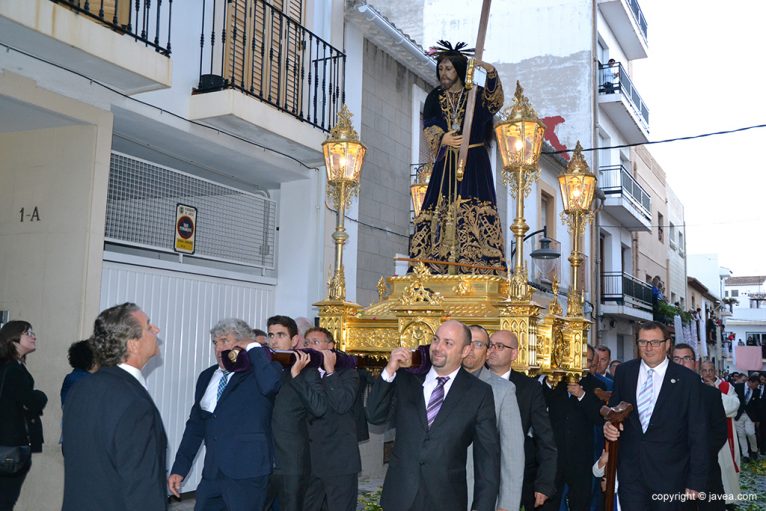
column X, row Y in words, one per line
column 134, row 372
column 429, row 384
column 210, row 398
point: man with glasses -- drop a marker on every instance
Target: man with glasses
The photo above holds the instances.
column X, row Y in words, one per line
column 683, row 354
column 664, row 443
column 539, row 445
column 437, row 416
column 335, row 460
column 508, row 424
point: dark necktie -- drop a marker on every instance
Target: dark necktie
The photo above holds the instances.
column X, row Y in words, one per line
column 222, row 384
column 436, row 400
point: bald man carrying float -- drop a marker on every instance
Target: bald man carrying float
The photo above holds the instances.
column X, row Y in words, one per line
column 437, row 416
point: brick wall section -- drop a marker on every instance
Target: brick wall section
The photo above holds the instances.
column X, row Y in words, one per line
column 384, row 202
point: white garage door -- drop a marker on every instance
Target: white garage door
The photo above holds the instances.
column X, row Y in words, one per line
column 184, row 306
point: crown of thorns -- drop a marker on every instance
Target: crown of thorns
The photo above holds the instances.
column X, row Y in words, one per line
column 444, row 49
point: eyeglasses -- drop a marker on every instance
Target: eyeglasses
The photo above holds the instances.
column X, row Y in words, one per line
column 479, row 345
column 686, row 358
column 500, row 346
column 30, row 333
column 654, row 343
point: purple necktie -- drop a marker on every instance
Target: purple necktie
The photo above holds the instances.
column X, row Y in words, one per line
column 436, row 400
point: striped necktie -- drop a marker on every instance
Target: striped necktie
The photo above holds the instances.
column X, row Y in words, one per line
column 646, row 400
column 222, row 384
column 436, row 400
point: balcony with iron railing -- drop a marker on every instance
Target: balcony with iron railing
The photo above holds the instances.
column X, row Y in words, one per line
column 622, row 102
column 626, row 295
column 123, row 43
column 268, row 76
column 628, row 24
column 255, row 48
column 626, row 200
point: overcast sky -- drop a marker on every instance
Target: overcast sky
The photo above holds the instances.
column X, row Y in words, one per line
column 705, row 73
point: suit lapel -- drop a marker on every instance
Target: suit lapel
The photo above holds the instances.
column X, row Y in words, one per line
column 234, row 380
column 419, row 400
column 631, row 380
column 668, row 388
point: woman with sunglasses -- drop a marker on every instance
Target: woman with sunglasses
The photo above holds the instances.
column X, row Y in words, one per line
column 20, row 404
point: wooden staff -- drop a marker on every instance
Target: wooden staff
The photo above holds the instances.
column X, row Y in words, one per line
column 615, row 415
column 470, row 105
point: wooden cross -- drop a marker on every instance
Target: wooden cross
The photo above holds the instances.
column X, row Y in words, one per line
column 471, row 101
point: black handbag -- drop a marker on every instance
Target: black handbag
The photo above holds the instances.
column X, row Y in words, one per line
column 14, row 459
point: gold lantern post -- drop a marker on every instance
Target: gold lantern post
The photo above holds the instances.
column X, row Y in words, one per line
column 578, row 186
column 520, row 139
column 344, row 157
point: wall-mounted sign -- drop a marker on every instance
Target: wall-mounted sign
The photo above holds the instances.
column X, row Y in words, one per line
column 186, row 228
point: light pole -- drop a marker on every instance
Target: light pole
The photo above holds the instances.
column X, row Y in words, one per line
column 344, row 157
column 578, row 186
column 520, row 140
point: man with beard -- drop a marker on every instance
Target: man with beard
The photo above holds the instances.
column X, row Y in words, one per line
column 458, row 220
column 437, row 416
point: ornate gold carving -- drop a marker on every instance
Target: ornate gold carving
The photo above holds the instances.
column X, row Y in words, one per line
column 417, row 293
column 382, row 288
column 416, row 333
column 433, row 135
column 554, row 308
column 462, row 288
column 336, row 286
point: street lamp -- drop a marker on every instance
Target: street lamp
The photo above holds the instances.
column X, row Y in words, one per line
column 578, row 186
column 520, row 139
column 418, row 189
column 343, row 156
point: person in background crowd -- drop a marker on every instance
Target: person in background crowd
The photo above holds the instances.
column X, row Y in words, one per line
column 261, row 337
column 508, row 424
column 83, row 363
column 747, row 416
column 21, row 405
column 574, row 412
column 335, row 459
column 601, row 360
column 115, row 446
column 728, row 456
column 540, row 452
column 613, row 365
column 683, row 354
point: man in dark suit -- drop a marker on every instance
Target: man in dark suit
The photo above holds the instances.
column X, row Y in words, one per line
column 748, row 416
column 436, row 418
column 115, row 448
column 335, row 460
column 684, row 355
column 232, row 415
column 664, row 443
column 574, row 412
column 539, row 445
column 299, row 398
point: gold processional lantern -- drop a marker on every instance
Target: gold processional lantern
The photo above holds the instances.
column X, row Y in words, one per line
column 578, row 186
column 418, row 189
column 520, row 140
column 344, row 157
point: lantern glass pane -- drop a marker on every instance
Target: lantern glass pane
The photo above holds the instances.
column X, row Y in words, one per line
column 343, row 160
column 519, row 143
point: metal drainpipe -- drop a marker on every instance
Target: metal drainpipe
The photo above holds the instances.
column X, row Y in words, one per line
column 595, row 237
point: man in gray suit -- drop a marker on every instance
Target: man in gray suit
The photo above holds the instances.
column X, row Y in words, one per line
column 508, row 424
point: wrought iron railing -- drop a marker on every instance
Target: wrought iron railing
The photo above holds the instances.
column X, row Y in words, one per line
column 638, row 14
column 254, row 47
column 616, row 180
column 625, row 289
column 613, row 78
column 143, row 20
